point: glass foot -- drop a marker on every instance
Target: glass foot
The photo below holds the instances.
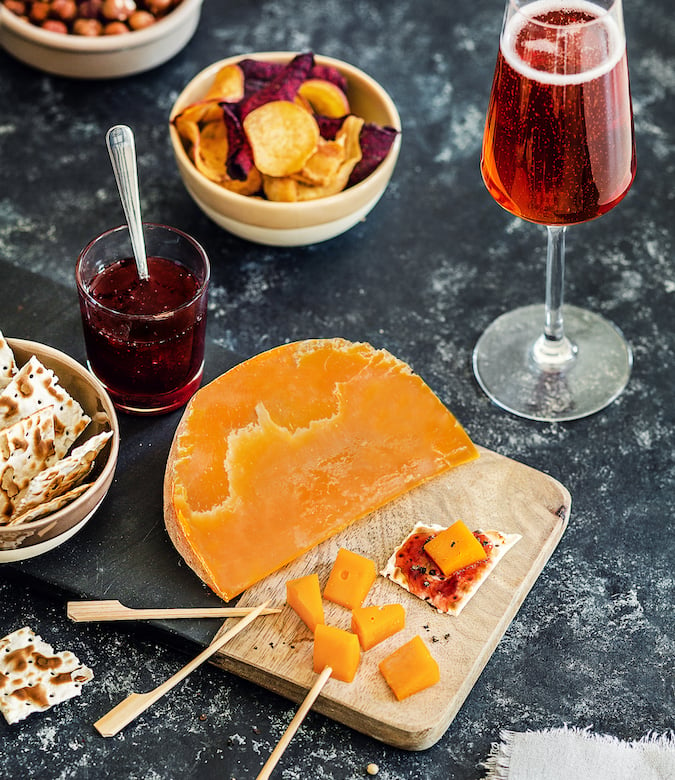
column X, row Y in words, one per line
column 505, row 368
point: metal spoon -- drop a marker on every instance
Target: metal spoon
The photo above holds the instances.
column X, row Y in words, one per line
column 122, row 150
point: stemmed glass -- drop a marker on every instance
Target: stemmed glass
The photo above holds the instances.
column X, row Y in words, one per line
column 558, row 150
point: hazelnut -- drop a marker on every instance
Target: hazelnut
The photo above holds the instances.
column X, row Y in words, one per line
column 17, row 7
column 89, row 9
column 39, row 12
column 115, row 28
column 87, row 27
column 158, row 7
column 65, row 10
column 139, row 20
column 55, row 25
column 118, row 10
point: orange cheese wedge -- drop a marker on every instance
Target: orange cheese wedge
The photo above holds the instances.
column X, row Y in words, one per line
column 293, row 445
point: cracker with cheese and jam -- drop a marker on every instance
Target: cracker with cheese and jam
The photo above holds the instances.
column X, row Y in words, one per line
column 446, row 566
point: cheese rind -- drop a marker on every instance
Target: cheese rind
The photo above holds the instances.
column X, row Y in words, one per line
column 292, row 446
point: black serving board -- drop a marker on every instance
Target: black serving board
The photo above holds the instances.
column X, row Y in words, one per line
column 124, row 551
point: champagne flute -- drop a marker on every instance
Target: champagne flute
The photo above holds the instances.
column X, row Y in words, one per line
column 558, row 150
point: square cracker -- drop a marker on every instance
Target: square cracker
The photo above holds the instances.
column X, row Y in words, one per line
column 59, row 478
column 35, row 387
column 26, row 448
column 33, row 677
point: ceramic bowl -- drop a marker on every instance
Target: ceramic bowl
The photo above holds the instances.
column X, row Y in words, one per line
column 292, row 224
column 26, row 540
column 104, row 56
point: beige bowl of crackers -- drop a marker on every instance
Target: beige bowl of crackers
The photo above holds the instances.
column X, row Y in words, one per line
column 59, row 442
column 230, row 168
column 60, row 37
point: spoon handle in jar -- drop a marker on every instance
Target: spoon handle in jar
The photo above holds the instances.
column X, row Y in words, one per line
column 122, row 151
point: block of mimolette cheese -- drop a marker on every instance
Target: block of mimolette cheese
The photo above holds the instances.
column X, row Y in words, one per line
column 293, row 445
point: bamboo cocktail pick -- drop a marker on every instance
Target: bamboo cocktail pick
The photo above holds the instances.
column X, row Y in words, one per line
column 136, row 703
column 294, row 725
column 88, row 611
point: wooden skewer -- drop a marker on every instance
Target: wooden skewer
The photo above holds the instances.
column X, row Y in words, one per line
column 294, row 725
column 87, row 611
column 136, row 703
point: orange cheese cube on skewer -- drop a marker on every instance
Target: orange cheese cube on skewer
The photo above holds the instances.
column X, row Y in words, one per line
column 338, row 649
column 374, row 624
column 350, row 579
column 292, row 446
column 455, row 548
column 410, row 669
column 304, row 596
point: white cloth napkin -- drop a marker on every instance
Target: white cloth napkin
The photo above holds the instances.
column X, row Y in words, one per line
column 576, row 754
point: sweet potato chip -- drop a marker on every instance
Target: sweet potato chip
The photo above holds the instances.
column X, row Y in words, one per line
column 324, row 97
column 251, row 185
column 348, row 137
column 323, row 165
column 227, row 85
column 299, row 187
column 282, row 135
column 211, row 151
column 280, row 188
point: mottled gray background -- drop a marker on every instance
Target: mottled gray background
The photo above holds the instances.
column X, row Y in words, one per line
column 433, row 264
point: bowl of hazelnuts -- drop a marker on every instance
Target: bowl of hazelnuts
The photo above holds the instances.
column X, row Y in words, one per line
column 96, row 39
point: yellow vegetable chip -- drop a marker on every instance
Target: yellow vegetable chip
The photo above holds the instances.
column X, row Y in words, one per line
column 228, row 84
column 210, row 151
column 282, row 136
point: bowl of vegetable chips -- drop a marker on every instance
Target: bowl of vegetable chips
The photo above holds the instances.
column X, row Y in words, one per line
column 285, row 149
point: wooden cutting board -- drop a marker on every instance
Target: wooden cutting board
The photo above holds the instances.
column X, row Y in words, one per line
column 492, row 492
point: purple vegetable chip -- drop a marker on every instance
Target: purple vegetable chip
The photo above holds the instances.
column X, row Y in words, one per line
column 328, row 126
column 284, row 86
column 329, row 73
column 258, row 74
column 376, row 142
column 240, row 157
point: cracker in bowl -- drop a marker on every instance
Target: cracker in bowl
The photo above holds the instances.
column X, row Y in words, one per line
column 41, row 468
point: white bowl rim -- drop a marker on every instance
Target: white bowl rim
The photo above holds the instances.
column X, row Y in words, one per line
column 101, row 43
column 318, row 203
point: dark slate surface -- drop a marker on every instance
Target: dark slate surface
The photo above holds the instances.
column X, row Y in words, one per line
column 594, row 642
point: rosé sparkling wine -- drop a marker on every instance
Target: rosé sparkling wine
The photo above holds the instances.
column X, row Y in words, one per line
column 559, row 145
column 558, row 150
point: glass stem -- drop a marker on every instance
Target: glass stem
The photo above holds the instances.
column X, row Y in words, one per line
column 553, row 350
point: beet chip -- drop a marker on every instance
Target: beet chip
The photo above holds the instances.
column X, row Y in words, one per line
column 284, row 86
column 376, row 142
column 329, row 73
column 258, row 74
column 240, row 157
